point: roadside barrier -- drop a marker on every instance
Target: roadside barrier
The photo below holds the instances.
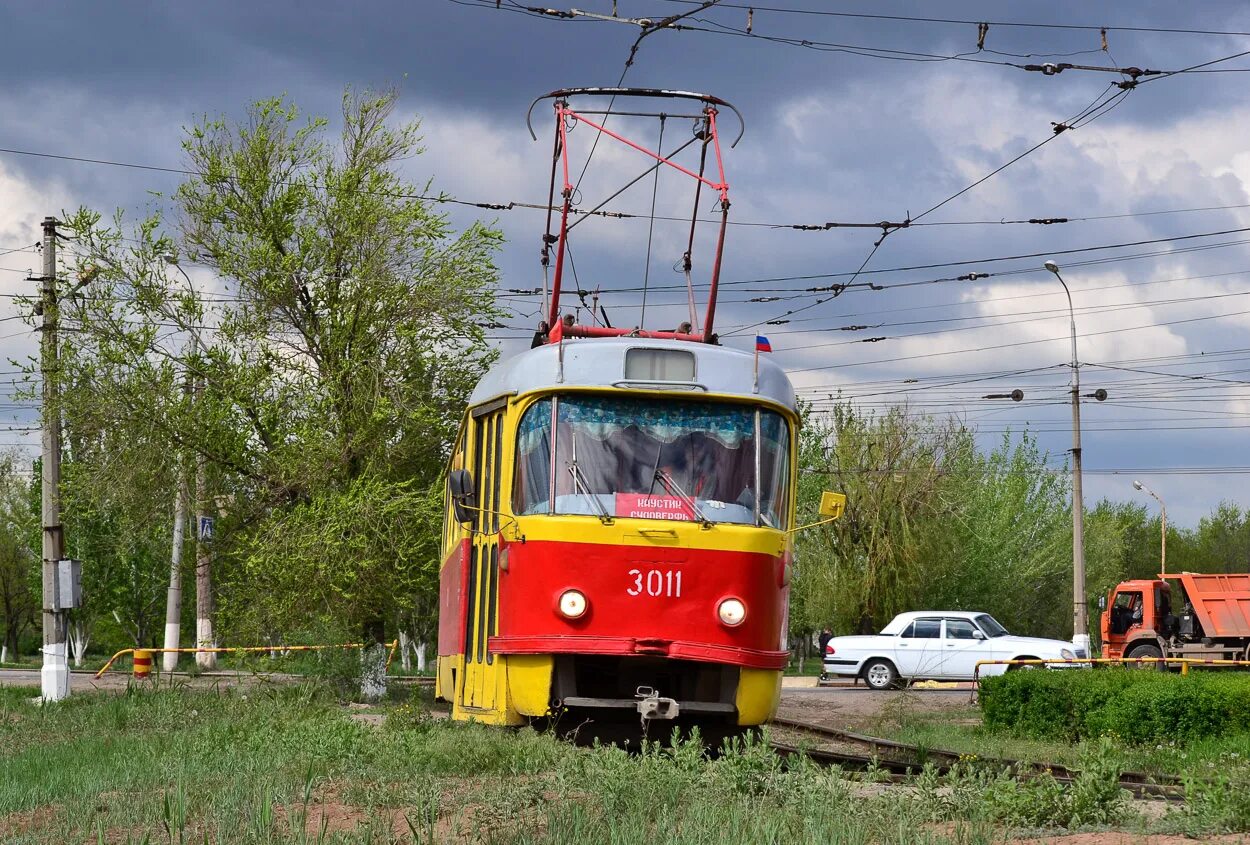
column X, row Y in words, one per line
column 143, row 656
column 1137, row 662
column 142, row 663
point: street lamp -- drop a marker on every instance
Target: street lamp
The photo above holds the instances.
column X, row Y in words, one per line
column 1080, row 613
column 1163, row 539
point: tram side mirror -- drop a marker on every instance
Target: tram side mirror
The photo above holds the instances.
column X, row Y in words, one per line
column 832, row 505
column 1102, row 602
column 463, row 494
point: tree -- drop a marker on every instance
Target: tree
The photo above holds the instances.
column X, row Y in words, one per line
column 1223, row 540
column 333, row 353
column 931, row 522
column 19, row 564
column 891, row 468
column 1005, row 544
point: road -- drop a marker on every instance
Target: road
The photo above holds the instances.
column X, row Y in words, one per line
column 840, row 705
column 854, row 707
column 82, row 680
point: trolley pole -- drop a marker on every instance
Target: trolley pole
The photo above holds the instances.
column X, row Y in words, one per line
column 54, row 676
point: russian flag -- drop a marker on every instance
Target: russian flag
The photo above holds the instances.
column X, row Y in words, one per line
column 762, row 344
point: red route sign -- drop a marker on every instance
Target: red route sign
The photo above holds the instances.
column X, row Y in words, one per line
column 646, row 506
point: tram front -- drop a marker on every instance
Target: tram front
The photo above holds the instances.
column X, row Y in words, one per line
column 644, row 550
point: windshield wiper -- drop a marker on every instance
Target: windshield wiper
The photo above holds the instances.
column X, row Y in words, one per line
column 579, row 481
column 674, row 489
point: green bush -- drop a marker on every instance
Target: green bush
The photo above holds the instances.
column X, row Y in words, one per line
column 1132, row 705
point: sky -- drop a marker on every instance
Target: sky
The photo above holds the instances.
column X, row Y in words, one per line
column 848, row 118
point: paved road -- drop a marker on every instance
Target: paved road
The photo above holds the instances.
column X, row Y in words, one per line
column 838, row 705
column 86, row 680
column 837, row 691
column 847, row 706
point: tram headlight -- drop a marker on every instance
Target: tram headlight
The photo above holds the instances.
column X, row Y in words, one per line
column 731, row 612
column 572, row 604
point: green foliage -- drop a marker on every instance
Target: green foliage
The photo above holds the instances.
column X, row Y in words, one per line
column 1135, row 706
column 306, row 559
column 1003, row 543
column 1095, row 798
column 868, row 565
column 316, row 371
column 1220, row 803
column 931, row 522
column 19, row 561
column 265, row 765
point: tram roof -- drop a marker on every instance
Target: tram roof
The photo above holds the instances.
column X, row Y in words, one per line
column 600, row 362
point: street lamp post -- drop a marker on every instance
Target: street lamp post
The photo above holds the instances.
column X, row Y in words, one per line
column 1163, row 539
column 1080, row 613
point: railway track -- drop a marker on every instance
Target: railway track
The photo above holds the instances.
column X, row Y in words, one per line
column 901, row 761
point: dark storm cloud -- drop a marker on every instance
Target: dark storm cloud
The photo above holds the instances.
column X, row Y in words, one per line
column 830, row 136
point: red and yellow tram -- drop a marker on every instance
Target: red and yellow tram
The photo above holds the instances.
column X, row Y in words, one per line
column 627, row 547
column 620, row 509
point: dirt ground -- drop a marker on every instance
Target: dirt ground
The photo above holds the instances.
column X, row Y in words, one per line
column 858, row 708
column 115, row 680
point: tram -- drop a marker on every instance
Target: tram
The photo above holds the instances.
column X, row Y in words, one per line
column 619, row 517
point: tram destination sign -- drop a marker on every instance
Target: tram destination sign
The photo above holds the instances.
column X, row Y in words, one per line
column 646, row 506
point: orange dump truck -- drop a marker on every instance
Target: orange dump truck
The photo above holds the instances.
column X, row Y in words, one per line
column 1185, row 615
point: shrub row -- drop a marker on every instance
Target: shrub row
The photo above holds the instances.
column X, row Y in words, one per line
column 1136, row 706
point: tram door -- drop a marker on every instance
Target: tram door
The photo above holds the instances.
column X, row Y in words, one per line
column 480, row 666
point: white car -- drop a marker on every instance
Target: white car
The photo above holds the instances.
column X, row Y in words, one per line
column 936, row 645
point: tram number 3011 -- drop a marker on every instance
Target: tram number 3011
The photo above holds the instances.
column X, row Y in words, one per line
column 655, row 582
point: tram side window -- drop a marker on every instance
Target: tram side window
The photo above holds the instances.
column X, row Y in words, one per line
column 774, row 470
column 532, row 486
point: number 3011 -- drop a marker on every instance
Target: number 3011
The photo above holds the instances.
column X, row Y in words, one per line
column 655, row 582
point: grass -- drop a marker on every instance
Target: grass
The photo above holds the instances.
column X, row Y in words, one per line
column 287, row 764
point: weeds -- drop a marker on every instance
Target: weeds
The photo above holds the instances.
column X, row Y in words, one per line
column 285, row 766
column 175, row 813
column 1221, row 804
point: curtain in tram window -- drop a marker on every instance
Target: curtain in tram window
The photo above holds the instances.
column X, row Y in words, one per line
column 603, row 418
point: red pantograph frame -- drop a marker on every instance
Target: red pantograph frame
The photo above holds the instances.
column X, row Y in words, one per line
column 564, row 117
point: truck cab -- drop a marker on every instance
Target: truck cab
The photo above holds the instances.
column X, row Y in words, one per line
column 1136, row 619
column 1199, row 616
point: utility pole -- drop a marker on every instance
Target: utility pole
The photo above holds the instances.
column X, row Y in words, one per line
column 203, row 523
column 203, row 567
column 54, row 676
column 173, row 602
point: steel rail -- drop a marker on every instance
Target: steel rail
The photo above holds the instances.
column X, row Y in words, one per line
column 1140, row 784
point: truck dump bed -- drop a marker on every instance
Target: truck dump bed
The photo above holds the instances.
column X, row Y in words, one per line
column 1221, row 602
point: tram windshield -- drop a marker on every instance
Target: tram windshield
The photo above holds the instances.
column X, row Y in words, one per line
column 653, row 459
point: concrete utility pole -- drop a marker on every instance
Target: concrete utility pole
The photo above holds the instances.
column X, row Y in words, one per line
column 54, row 676
column 203, row 552
column 173, row 602
column 203, row 569
column 1080, row 612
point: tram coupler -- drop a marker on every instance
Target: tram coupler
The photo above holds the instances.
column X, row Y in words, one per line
column 651, row 705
